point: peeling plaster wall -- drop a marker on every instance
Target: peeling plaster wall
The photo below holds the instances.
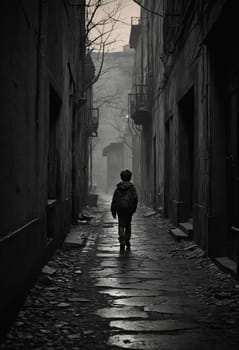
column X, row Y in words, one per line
column 185, row 94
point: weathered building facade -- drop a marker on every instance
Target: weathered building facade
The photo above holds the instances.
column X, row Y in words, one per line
column 45, row 97
column 184, row 103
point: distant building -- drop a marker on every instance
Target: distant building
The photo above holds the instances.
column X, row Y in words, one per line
column 117, row 160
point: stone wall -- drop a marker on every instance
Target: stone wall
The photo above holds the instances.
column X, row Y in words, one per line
column 184, row 152
column 43, row 126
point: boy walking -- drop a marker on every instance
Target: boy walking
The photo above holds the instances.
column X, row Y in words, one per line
column 124, row 204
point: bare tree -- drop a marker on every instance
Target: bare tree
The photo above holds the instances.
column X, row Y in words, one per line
column 121, row 126
column 118, row 122
column 102, row 17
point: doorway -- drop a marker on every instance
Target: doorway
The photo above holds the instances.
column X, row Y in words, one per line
column 53, row 169
column 232, row 157
column 155, row 173
column 186, row 157
column 224, row 134
column 168, row 194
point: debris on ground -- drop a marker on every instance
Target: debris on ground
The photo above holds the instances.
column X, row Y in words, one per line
column 48, row 270
column 150, row 213
column 158, row 284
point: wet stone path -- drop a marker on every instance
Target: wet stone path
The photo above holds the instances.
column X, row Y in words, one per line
column 159, row 295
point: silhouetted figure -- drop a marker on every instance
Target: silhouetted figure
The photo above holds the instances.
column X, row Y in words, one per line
column 124, row 204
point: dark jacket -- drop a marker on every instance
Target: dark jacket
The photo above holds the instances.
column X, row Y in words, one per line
column 121, row 187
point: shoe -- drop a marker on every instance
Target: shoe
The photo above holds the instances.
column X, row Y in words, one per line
column 128, row 245
column 122, row 247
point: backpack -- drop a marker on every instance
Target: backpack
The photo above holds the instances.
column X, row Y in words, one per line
column 124, row 199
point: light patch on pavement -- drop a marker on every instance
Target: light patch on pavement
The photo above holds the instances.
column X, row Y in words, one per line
column 115, row 282
column 157, row 342
column 152, row 326
column 140, row 301
column 129, row 292
column 165, row 309
column 126, row 312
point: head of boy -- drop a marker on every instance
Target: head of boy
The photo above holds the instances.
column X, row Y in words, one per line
column 125, row 175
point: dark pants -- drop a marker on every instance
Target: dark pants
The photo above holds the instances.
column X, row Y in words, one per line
column 124, row 218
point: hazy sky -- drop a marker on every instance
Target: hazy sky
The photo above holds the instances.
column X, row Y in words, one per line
column 121, row 32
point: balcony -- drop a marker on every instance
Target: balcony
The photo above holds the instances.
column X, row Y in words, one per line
column 139, row 105
column 93, row 122
column 134, row 33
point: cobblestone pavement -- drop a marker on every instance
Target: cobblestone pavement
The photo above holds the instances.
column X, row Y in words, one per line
column 160, row 295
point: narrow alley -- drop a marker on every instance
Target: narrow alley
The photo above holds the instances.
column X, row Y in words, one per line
column 161, row 294
column 108, row 106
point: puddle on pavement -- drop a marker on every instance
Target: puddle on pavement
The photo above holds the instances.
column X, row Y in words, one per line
column 152, row 326
column 105, row 255
column 103, row 273
column 143, row 275
column 129, row 292
column 138, row 286
column 125, row 312
column 104, row 248
column 140, row 301
column 165, row 308
column 111, row 281
column 156, row 301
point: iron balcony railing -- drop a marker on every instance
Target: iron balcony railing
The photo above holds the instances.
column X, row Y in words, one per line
column 93, row 121
column 139, row 104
